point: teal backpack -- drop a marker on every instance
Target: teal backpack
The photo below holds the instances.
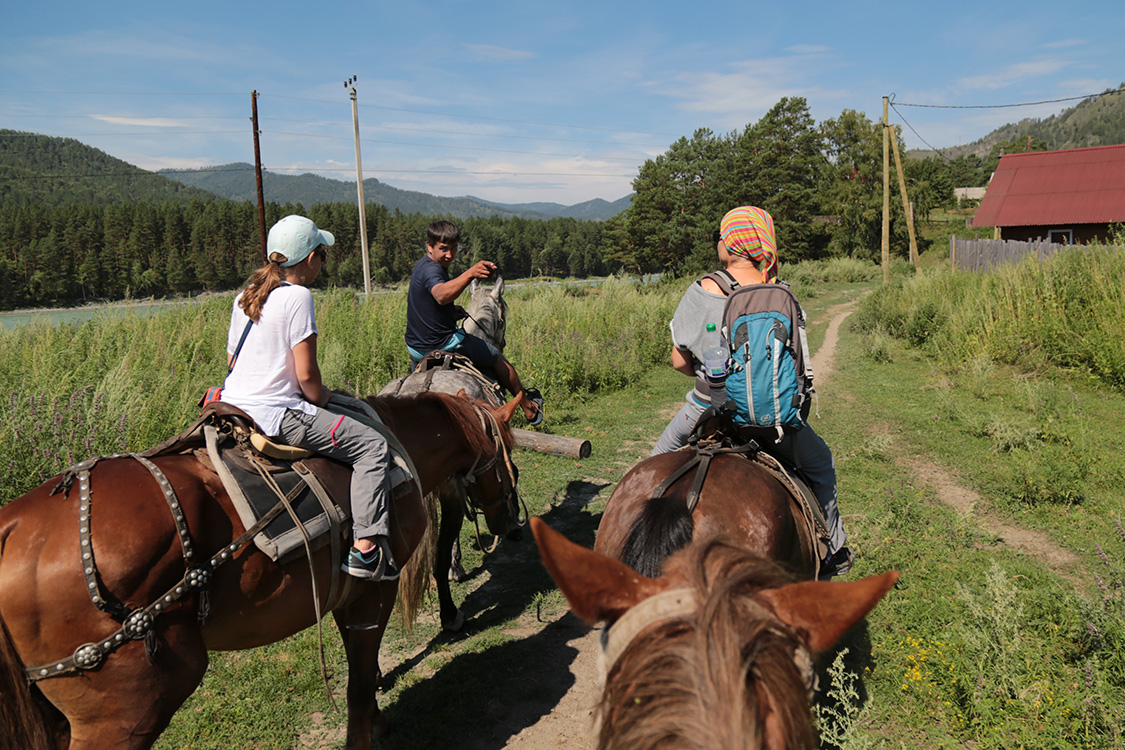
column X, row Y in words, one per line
column 769, row 387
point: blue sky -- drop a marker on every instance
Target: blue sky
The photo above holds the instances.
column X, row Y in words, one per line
column 525, row 101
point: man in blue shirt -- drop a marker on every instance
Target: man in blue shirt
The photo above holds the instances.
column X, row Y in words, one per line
column 432, row 318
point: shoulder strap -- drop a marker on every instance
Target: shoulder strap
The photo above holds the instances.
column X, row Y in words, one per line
column 727, row 283
column 241, row 341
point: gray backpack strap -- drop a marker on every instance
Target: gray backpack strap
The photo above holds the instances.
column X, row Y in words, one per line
column 727, row 283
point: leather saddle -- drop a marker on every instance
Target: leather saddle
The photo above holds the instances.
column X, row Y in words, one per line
column 308, row 495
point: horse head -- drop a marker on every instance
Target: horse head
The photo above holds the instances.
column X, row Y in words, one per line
column 716, row 652
column 488, row 313
column 490, row 486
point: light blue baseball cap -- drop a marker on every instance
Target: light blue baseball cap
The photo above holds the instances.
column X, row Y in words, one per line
column 296, row 238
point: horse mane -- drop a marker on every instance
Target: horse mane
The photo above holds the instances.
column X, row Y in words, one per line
column 663, row 527
column 694, row 682
column 461, row 411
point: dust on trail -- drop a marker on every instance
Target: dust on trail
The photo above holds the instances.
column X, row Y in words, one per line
column 962, row 499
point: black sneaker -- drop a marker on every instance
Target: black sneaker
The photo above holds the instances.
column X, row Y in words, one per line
column 837, row 564
column 374, row 565
column 535, row 397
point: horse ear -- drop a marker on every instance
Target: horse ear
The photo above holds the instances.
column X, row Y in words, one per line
column 506, row 411
column 498, row 288
column 825, row 610
column 599, row 588
column 473, row 287
column 462, row 393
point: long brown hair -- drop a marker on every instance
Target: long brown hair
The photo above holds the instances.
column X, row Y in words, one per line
column 258, row 288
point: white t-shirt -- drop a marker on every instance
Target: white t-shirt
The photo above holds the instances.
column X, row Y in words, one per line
column 264, row 381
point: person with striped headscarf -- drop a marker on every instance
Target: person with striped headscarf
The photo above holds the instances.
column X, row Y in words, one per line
column 747, row 248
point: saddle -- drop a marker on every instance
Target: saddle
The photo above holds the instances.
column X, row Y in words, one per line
column 307, row 495
column 438, row 361
column 714, row 434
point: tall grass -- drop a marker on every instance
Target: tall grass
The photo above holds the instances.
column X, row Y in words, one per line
column 1067, row 312
column 126, row 382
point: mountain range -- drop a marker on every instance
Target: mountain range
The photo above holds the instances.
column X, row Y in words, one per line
column 237, row 182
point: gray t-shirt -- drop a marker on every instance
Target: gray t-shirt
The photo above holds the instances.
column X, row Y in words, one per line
column 697, row 308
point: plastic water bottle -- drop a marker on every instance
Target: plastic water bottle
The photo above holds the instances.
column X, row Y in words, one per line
column 716, row 356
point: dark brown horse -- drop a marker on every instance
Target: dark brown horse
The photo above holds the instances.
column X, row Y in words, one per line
column 739, row 498
column 714, row 654
column 127, row 699
column 712, row 629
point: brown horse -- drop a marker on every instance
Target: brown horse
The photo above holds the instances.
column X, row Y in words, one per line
column 739, row 498
column 716, row 653
column 126, row 700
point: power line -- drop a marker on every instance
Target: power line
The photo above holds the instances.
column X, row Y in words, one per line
column 923, row 140
column 1003, row 106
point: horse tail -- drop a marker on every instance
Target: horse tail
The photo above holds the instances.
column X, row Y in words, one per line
column 22, row 719
column 414, row 581
column 663, row 527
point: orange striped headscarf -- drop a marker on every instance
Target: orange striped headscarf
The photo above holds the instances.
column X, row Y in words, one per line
column 747, row 231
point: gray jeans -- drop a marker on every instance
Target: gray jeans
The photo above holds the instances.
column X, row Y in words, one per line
column 353, row 443
column 804, row 449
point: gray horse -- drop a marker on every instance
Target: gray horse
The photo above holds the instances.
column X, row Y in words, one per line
column 487, row 319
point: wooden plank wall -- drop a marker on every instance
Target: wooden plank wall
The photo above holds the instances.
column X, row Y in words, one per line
column 984, row 255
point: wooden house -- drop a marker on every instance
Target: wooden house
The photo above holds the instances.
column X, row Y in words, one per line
column 1070, row 196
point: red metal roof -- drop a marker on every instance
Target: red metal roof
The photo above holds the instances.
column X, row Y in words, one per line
column 1075, row 186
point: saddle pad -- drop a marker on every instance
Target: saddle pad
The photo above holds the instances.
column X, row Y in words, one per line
column 316, row 508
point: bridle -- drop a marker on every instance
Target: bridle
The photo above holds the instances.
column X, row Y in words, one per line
column 680, row 603
column 502, row 470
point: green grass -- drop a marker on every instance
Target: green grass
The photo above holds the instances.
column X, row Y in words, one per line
column 980, row 645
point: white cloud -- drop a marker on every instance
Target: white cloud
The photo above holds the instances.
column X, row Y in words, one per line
column 746, row 92
column 492, row 52
column 1013, row 74
column 151, row 122
column 1064, row 43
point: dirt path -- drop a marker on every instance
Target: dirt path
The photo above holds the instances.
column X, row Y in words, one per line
column 962, row 499
column 567, row 722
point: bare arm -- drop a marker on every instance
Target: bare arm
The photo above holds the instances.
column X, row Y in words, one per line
column 450, row 290
column 308, row 372
column 682, row 362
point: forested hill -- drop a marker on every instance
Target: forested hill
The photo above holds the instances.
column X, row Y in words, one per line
column 1098, row 121
column 236, row 181
column 46, row 171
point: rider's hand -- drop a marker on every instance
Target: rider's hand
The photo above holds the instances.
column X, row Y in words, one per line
column 483, row 269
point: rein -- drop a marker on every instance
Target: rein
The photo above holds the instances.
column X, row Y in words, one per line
column 471, row 508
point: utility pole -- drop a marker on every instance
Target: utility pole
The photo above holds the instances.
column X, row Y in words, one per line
column 258, row 173
column 906, row 207
column 886, row 198
column 350, row 86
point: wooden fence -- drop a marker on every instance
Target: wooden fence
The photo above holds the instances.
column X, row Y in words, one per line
column 984, row 255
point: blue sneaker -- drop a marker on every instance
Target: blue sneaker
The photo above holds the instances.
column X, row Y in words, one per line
column 374, row 565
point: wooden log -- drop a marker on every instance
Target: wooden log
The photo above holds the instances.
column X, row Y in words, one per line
column 556, row 445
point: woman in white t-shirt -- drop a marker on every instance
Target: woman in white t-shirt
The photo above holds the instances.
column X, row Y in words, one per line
column 276, row 380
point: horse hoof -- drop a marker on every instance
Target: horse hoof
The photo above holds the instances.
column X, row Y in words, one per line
column 457, row 573
column 457, row 623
